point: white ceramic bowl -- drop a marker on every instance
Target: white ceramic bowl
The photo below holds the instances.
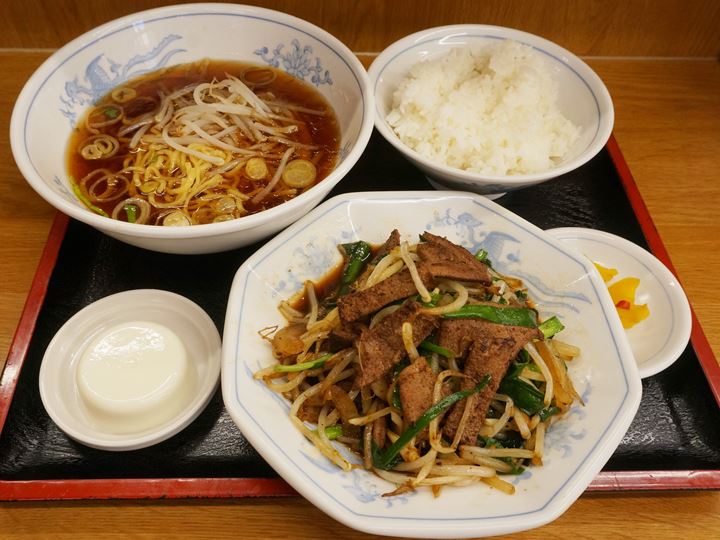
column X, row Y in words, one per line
column 89, row 66
column 660, row 339
column 563, row 282
column 583, row 99
column 74, row 414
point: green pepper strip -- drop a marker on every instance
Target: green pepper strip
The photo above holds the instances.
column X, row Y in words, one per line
column 312, row 364
column 501, row 315
column 434, row 299
column 131, row 211
column 358, row 253
column 524, row 395
column 432, row 347
column 83, row 199
column 482, row 256
column 396, row 390
column 333, row 432
column 386, row 459
column 548, row 412
column 551, row 327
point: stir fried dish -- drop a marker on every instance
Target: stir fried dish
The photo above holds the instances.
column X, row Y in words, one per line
column 429, row 365
column 202, row 143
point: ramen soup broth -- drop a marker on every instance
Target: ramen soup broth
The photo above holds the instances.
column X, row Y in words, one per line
column 182, row 189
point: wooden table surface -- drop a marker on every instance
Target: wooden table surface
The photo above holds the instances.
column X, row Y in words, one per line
column 668, row 126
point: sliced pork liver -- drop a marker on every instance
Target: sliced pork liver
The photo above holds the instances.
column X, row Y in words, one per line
column 391, row 243
column 416, row 383
column 447, row 260
column 493, row 347
column 381, row 347
column 359, row 304
column 457, row 335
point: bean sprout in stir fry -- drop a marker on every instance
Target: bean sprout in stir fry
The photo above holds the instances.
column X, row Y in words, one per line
column 428, row 364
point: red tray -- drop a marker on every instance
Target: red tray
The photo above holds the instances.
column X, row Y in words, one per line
column 156, row 488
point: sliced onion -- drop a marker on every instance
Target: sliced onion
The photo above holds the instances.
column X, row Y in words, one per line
column 123, row 94
column 256, row 168
column 299, row 173
column 144, row 120
column 100, row 117
column 143, row 205
column 176, row 218
column 115, row 187
column 258, row 76
column 99, row 147
column 225, row 205
column 223, row 217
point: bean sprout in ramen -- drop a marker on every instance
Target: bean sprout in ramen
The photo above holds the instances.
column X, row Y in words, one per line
column 201, row 143
column 426, row 362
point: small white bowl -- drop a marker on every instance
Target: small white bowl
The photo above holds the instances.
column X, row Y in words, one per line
column 106, row 424
column 583, row 99
column 660, row 339
column 560, row 280
column 91, row 65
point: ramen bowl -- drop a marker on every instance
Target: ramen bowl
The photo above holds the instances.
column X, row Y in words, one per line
column 87, row 68
column 582, row 98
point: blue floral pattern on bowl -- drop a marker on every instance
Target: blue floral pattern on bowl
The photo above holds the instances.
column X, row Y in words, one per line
column 103, row 74
column 297, row 61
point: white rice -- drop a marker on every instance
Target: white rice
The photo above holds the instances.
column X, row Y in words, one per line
column 490, row 110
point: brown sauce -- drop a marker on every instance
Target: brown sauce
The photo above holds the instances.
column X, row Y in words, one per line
column 328, row 284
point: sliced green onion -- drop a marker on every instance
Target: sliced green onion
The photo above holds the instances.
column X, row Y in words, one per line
column 524, row 395
column 312, row 364
column 333, row 432
column 397, row 368
column 387, row 459
column 432, row 347
column 513, row 316
column 482, row 256
column 83, row 199
column 551, row 327
column 434, row 299
column 357, row 253
column 131, row 211
column 548, row 412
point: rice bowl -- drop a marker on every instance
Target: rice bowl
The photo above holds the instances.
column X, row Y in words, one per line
column 490, row 110
column 582, row 98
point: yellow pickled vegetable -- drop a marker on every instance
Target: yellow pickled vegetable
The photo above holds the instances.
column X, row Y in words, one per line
column 299, row 173
column 622, row 293
column 606, row 273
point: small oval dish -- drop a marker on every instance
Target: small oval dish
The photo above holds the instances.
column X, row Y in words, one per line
column 660, row 339
column 131, row 369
